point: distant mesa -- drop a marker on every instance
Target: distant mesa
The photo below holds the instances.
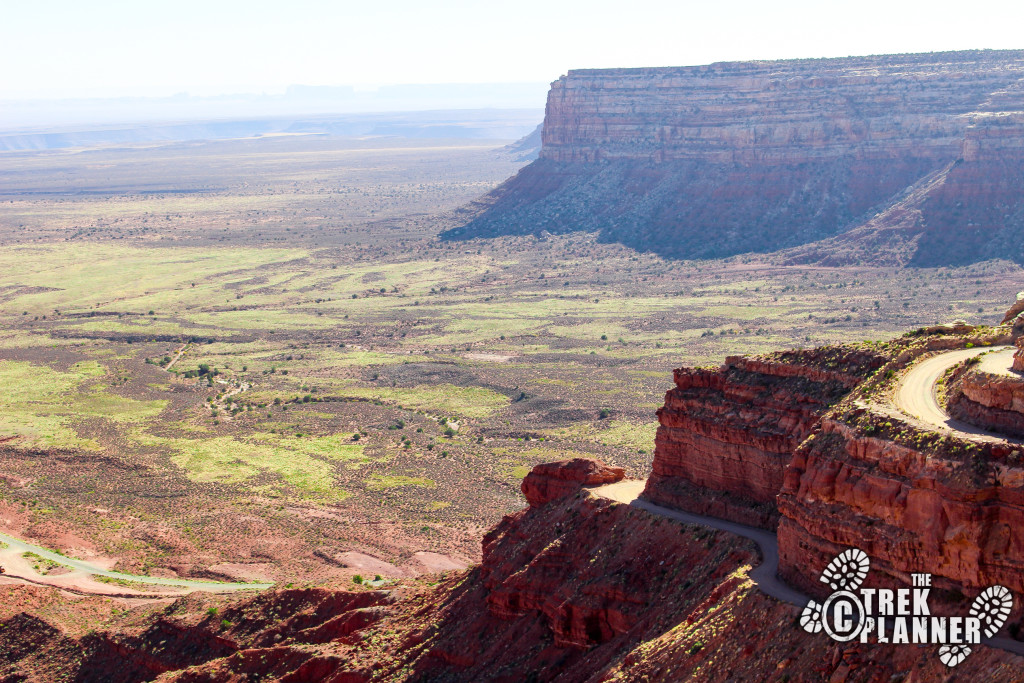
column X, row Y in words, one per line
column 465, row 124
column 527, row 148
column 898, row 160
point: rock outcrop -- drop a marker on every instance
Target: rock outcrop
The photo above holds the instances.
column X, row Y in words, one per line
column 727, row 435
column 983, row 399
column 807, row 441
column 919, row 156
column 914, row 501
column 583, row 589
column 1016, row 309
column 551, row 481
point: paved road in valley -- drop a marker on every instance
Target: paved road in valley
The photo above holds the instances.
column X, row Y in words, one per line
column 17, row 546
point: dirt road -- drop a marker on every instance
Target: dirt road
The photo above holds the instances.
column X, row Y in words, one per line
column 765, row 575
column 80, row 579
column 916, row 397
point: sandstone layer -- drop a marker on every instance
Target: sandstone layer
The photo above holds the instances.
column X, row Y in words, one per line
column 992, row 402
column 551, row 481
column 807, row 441
column 727, row 435
column 922, row 154
column 913, row 501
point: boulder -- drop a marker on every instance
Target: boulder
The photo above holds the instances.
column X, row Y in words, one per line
column 553, row 480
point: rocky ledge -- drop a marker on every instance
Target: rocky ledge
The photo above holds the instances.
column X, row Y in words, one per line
column 582, row 589
column 810, row 441
column 551, row 481
column 727, row 434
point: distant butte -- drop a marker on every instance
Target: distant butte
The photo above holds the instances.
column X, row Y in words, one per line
column 896, row 159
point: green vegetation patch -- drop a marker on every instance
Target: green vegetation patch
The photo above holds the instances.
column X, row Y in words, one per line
column 41, row 405
column 140, row 278
column 41, row 564
column 520, row 471
column 381, row 481
column 633, row 435
column 337, row 447
column 134, row 585
column 307, row 464
column 473, row 402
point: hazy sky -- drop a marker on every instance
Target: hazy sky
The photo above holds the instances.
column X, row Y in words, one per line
column 61, row 48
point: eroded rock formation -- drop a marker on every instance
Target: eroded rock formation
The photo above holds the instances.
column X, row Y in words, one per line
column 551, row 481
column 727, row 435
column 992, row 402
column 918, row 157
column 580, row 590
column 914, row 501
column 809, row 440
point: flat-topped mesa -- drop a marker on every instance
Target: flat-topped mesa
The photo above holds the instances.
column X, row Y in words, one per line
column 977, row 211
column 776, row 112
column 767, row 156
column 726, row 435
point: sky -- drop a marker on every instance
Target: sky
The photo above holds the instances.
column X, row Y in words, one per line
column 113, row 48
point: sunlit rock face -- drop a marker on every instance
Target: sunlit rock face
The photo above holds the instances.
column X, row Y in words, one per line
column 708, row 161
column 727, row 434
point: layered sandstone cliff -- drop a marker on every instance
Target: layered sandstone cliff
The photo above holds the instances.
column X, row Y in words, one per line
column 727, row 435
column 913, row 496
column 551, row 481
column 994, row 402
column 809, row 441
column 772, row 155
column 914, row 501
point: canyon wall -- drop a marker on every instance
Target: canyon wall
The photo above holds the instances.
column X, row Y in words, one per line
column 773, row 155
column 727, row 435
column 914, row 501
column 807, row 441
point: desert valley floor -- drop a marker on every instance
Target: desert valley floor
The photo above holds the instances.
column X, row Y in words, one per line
column 217, row 372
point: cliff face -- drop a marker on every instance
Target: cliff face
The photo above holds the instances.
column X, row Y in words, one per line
column 913, row 501
column 992, row 402
column 550, row 481
column 807, row 442
column 727, row 435
column 772, row 155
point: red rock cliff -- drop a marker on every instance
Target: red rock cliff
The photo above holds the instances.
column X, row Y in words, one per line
column 581, row 590
column 551, row 481
column 770, row 155
column 994, row 402
column 914, row 501
column 727, row 435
